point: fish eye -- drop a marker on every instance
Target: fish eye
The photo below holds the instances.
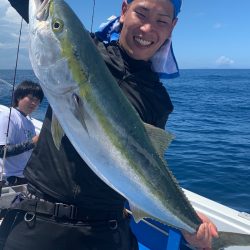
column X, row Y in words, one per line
column 57, row 25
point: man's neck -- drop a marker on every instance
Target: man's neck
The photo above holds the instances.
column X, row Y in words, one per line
column 20, row 111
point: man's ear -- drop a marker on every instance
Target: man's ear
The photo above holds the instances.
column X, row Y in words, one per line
column 124, row 10
column 174, row 23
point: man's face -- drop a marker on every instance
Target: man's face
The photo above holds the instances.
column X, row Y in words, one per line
column 147, row 24
column 28, row 104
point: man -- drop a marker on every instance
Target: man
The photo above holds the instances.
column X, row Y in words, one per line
column 21, row 137
column 61, row 176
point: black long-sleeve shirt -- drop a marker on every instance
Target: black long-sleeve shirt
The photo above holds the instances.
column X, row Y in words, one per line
column 12, row 150
column 63, row 174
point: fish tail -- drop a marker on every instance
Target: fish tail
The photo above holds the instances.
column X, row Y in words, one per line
column 227, row 239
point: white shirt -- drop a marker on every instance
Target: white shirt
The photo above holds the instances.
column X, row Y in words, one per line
column 21, row 129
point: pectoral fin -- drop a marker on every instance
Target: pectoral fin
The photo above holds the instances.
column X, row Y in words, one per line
column 79, row 111
column 57, row 131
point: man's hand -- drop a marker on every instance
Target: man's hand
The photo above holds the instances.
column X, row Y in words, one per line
column 202, row 239
column 35, row 139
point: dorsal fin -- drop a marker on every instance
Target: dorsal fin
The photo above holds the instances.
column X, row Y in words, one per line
column 159, row 138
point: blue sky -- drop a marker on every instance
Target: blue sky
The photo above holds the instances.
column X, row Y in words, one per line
column 209, row 33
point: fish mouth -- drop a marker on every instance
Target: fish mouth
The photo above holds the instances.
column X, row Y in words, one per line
column 41, row 9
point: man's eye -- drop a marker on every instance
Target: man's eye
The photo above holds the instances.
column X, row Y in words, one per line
column 164, row 22
column 160, row 21
column 139, row 14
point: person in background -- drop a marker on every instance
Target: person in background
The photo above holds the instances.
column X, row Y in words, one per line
column 21, row 135
column 68, row 206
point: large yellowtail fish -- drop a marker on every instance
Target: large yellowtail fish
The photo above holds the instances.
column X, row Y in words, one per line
column 100, row 122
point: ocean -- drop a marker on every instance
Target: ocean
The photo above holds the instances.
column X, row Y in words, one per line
column 210, row 154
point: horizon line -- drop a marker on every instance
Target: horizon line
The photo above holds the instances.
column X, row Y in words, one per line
column 179, row 69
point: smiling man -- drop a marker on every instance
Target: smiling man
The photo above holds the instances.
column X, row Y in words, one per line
column 146, row 26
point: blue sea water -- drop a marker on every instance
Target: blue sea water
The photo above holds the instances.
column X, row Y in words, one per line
column 210, row 154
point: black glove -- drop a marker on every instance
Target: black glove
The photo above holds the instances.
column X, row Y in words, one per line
column 22, row 7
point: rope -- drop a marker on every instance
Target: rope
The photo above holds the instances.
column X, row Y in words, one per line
column 12, row 101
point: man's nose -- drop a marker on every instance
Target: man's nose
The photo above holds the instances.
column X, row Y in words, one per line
column 146, row 27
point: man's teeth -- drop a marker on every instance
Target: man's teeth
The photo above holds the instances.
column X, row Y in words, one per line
column 142, row 42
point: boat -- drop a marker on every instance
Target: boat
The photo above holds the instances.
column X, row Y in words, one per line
column 153, row 235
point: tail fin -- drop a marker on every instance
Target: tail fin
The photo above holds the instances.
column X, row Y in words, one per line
column 227, row 239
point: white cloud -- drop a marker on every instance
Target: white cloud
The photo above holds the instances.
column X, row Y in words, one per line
column 24, row 36
column 12, row 16
column 10, row 27
column 224, row 61
column 15, row 35
column 8, row 45
column 3, row 26
column 4, row 3
column 217, row 25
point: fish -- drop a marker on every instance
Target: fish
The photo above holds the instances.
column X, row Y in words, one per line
column 102, row 125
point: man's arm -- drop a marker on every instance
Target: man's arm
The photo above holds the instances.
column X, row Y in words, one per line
column 16, row 149
column 22, row 7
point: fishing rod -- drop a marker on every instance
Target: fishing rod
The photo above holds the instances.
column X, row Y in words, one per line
column 2, row 181
column 92, row 18
column 5, row 82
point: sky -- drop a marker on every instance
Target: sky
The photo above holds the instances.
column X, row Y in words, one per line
column 209, row 34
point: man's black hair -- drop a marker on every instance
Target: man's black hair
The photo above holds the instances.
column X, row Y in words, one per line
column 26, row 88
